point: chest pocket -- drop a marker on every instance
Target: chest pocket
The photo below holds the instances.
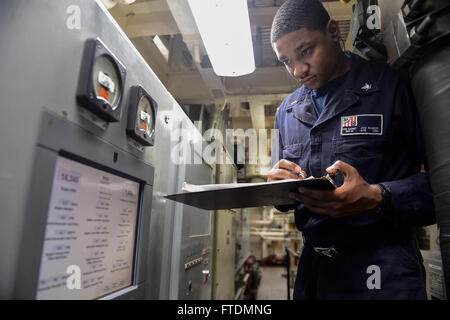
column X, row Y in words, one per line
column 297, row 153
column 366, row 154
column 293, row 152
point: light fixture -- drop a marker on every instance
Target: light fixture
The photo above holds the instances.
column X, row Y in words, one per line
column 109, row 4
column 224, row 26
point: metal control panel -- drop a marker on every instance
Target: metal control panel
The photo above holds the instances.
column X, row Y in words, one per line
column 73, row 86
column 197, row 274
column 196, row 242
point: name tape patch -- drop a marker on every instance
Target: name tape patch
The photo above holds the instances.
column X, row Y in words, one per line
column 362, row 124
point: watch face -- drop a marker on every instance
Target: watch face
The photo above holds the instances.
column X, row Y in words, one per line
column 106, row 81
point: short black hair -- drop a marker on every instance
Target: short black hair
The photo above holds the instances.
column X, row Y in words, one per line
column 296, row 14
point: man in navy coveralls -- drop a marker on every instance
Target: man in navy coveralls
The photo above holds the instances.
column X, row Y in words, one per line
column 356, row 119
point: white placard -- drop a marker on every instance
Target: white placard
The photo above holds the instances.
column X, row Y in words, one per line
column 91, row 225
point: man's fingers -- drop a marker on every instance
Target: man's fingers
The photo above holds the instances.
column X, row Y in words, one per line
column 282, row 174
column 318, row 210
column 289, row 165
column 285, row 169
column 319, row 195
column 340, row 166
column 328, row 206
column 311, row 206
column 331, row 208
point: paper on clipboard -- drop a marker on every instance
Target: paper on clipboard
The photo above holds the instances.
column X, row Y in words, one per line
column 246, row 195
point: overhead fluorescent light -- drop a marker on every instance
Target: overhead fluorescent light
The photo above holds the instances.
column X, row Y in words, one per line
column 224, row 26
column 109, row 4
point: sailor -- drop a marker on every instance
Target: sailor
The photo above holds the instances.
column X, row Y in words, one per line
column 356, row 119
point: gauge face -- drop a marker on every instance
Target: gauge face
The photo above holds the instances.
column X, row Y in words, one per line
column 106, row 81
column 145, row 116
column 101, row 82
column 141, row 117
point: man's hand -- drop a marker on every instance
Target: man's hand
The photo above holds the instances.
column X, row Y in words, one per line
column 284, row 169
column 354, row 196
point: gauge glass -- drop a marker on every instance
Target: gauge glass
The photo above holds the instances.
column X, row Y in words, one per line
column 145, row 116
column 106, row 81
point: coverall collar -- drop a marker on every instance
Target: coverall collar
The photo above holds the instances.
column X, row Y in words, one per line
column 358, row 82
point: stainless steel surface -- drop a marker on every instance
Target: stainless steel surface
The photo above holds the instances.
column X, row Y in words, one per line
column 224, row 243
column 42, row 50
column 195, row 242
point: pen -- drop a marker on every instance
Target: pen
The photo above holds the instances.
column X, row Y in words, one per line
column 298, row 174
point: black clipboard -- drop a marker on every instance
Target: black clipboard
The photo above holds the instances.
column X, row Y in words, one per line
column 247, row 195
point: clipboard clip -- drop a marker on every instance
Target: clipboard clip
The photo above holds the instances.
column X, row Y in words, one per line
column 330, row 177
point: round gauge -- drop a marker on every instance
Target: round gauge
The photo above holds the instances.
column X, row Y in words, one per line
column 106, row 81
column 141, row 116
column 101, row 82
column 145, row 117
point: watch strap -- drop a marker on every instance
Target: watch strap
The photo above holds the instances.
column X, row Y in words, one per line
column 387, row 198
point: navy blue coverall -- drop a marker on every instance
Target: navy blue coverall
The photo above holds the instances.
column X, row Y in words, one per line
column 370, row 123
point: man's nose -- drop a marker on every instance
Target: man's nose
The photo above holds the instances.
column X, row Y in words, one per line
column 300, row 70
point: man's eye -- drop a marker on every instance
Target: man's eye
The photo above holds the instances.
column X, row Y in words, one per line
column 306, row 52
column 287, row 63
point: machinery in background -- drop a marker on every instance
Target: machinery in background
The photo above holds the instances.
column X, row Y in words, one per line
column 428, row 240
column 254, row 279
column 365, row 30
column 274, row 236
column 231, row 245
column 418, row 29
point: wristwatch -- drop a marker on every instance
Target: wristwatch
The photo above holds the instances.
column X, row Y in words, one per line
column 387, row 199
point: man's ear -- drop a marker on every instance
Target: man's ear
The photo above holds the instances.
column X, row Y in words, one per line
column 333, row 30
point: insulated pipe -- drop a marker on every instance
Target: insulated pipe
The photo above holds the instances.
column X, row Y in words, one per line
column 269, row 234
column 272, row 238
column 264, row 222
column 255, row 231
column 276, row 239
column 431, row 86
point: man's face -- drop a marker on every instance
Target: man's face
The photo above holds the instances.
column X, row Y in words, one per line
column 310, row 56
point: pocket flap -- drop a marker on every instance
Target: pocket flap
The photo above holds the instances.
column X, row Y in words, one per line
column 368, row 146
column 293, row 151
